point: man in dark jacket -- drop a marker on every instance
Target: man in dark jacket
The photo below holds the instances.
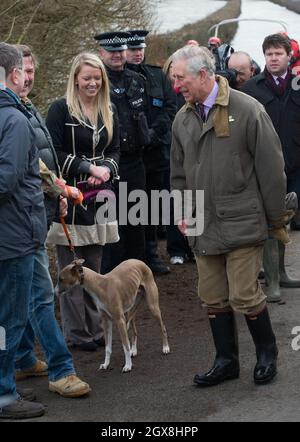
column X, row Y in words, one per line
column 23, row 227
column 161, row 111
column 274, row 89
column 42, row 321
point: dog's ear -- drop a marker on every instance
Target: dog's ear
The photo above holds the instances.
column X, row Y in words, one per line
column 78, row 263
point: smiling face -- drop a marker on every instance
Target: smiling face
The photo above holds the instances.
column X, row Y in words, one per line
column 88, row 81
column 29, row 70
column 277, row 60
column 115, row 60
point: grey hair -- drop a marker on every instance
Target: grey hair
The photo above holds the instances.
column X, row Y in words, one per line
column 197, row 58
column 10, row 58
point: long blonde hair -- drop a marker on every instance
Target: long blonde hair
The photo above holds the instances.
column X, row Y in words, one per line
column 167, row 65
column 103, row 106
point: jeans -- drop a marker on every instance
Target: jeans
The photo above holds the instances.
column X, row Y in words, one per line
column 42, row 324
column 15, row 291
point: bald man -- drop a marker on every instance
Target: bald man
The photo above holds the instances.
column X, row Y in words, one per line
column 242, row 63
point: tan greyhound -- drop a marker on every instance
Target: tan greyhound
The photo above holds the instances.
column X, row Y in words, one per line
column 117, row 296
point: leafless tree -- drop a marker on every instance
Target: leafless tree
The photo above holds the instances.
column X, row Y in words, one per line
column 57, row 30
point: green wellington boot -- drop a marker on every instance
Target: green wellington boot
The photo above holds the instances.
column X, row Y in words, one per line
column 285, row 279
column 271, row 268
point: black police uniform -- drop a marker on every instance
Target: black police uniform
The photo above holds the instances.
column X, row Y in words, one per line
column 128, row 95
column 161, row 111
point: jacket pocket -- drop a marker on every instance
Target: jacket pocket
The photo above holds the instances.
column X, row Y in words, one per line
column 241, row 221
column 239, row 182
column 38, row 224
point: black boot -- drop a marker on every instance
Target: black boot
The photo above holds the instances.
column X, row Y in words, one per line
column 266, row 349
column 153, row 260
column 226, row 365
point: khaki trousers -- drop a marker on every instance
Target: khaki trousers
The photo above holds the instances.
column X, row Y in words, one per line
column 231, row 280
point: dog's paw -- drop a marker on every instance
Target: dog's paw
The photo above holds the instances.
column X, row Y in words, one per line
column 166, row 349
column 103, row 367
column 133, row 352
column 127, row 368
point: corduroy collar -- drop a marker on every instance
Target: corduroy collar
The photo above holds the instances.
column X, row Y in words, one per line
column 220, row 113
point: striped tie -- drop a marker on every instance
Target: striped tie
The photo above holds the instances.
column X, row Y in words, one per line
column 201, row 111
column 280, row 81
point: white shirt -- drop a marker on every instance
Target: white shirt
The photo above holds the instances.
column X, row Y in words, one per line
column 281, row 76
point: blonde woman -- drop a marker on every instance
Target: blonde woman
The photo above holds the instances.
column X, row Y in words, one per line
column 85, row 134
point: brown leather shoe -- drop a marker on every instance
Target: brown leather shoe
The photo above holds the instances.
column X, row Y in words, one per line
column 40, row 368
column 20, row 409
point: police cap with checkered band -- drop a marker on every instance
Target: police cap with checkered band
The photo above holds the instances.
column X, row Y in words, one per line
column 137, row 39
column 113, row 41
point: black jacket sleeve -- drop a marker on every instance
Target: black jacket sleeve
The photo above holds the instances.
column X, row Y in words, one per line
column 56, row 123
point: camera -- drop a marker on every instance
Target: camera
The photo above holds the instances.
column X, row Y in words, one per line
column 221, row 54
column 230, row 75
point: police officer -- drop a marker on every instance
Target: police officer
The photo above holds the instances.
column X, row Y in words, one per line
column 128, row 94
column 160, row 113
